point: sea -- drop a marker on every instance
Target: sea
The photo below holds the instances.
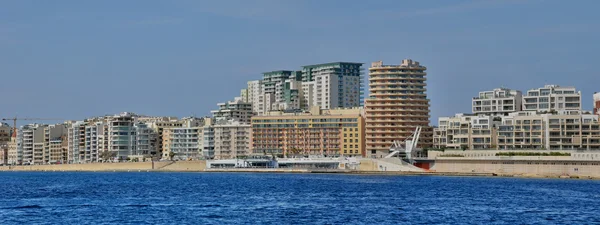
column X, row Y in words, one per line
column 268, row 198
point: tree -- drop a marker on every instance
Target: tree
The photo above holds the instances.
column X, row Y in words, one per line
column 171, row 155
column 107, row 155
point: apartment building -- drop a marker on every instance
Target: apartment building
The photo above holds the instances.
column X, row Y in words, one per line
column 466, row 132
column 292, row 95
column 561, row 130
column 573, row 130
column 159, row 127
column 522, row 130
column 397, row 104
column 184, row 143
column 336, row 84
column 5, row 136
column 552, row 98
column 14, row 156
column 273, row 83
column 244, row 95
column 499, row 101
column 58, row 149
column 31, row 144
column 320, row 132
column 236, row 110
column 208, row 141
column 5, row 133
column 145, row 139
column 52, row 134
column 255, row 95
column 231, row 140
column 596, row 103
column 307, row 94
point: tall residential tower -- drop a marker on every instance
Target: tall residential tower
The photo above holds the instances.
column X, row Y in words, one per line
column 397, row 104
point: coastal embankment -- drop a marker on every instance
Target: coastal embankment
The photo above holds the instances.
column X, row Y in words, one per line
column 124, row 166
column 366, row 168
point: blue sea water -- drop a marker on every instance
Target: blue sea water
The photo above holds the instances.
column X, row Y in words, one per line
column 248, row 198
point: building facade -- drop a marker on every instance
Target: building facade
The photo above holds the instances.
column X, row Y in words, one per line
column 336, row 85
column 14, row 156
column 31, row 144
column 466, row 132
column 236, row 110
column 552, row 98
column 5, row 137
column 231, row 140
column 256, row 96
column 183, row 143
column 397, row 104
column 499, row 101
column 561, row 130
column 318, row 132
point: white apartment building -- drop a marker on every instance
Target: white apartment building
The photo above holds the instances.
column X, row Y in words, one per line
column 231, row 140
column 274, row 82
column 93, row 141
column 76, row 135
column 254, row 92
column 466, row 131
column 244, row 95
column 337, row 84
column 208, row 141
column 552, row 98
column 30, row 144
column 236, row 110
column 145, row 139
column 121, row 135
column 308, row 90
column 184, row 143
column 499, row 101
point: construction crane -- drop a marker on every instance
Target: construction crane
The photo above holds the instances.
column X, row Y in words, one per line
column 14, row 119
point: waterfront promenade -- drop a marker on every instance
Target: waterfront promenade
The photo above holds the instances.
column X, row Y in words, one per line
column 367, row 168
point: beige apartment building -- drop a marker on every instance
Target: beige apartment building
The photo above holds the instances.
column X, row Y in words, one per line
column 13, row 157
column 466, row 132
column 58, row 150
column 333, row 132
column 231, row 140
column 397, row 104
column 500, row 101
column 5, row 134
column 563, row 130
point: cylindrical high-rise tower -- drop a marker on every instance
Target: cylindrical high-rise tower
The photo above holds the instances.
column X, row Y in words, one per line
column 397, row 104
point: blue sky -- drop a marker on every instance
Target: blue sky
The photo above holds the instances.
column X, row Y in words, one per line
column 75, row 59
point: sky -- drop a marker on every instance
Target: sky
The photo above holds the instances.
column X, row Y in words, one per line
column 76, row 59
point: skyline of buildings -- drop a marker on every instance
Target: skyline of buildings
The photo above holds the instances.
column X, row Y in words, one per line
column 318, row 110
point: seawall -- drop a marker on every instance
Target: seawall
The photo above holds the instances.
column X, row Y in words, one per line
column 125, row 166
